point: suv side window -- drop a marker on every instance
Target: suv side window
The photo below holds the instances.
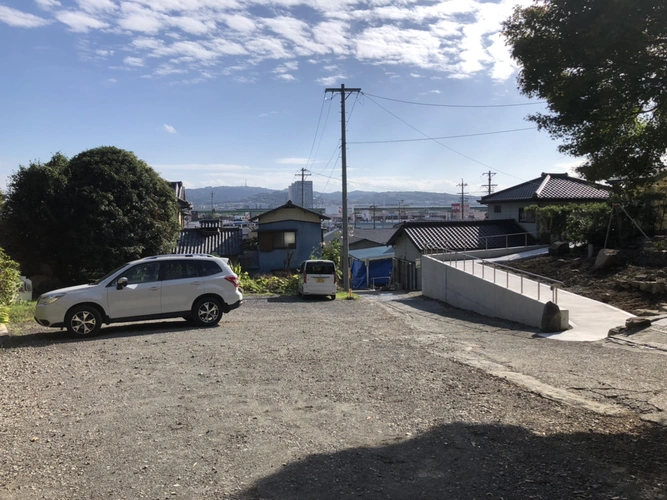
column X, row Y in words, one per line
column 208, row 268
column 146, row 272
column 179, row 269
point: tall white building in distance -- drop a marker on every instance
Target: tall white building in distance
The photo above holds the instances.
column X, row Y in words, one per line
column 301, row 193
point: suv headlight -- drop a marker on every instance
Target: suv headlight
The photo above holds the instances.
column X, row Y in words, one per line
column 49, row 299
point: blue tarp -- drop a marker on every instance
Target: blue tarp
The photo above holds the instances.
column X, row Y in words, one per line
column 371, row 266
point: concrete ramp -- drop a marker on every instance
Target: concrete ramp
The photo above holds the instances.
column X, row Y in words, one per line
column 469, row 284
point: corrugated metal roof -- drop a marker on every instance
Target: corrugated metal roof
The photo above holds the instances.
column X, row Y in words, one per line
column 464, row 235
column 554, row 187
column 222, row 241
column 375, row 253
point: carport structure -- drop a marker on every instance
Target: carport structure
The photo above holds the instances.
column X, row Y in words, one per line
column 371, row 267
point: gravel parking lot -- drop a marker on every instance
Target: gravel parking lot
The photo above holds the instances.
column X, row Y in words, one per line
column 382, row 397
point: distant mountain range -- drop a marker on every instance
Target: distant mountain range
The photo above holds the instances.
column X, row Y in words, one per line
column 257, row 197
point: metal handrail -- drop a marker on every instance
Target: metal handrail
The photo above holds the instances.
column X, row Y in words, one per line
column 554, row 285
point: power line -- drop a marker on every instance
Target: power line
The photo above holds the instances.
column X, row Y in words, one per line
column 445, row 136
column 457, row 105
column 427, row 136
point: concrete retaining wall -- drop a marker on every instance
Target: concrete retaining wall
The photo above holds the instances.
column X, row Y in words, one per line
column 463, row 290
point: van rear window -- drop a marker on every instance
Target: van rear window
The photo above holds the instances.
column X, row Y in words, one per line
column 319, row 268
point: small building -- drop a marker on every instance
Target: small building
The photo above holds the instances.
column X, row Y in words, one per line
column 211, row 238
column 184, row 206
column 286, row 236
column 548, row 189
column 414, row 239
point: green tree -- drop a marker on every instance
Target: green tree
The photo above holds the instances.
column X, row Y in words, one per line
column 601, row 66
column 87, row 215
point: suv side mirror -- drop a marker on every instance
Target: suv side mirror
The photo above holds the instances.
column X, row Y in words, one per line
column 122, row 283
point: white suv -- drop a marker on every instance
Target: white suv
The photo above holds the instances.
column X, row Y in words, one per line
column 196, row 287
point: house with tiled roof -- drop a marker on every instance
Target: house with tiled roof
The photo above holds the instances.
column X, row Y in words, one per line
column 211, row 238
column 414, row 239
column 548, row 189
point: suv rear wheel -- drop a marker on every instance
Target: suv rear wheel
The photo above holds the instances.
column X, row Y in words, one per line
column 207, row 311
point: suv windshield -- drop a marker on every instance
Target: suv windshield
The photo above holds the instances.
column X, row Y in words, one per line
column 107, row 275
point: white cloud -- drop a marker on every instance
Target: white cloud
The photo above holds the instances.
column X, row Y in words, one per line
column 286, row 77
column 47, row 4
column 79, row 22
column 429, row 38
column 133, row 61
column 104, row 53
column 134, row 17
column 112, row 80
column 97, row 5
column 239, row 23
column 20, row 19
column 331, row 80
column 292, row 161
column 169, row 129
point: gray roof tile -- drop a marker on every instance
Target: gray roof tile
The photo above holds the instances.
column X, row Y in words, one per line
column 222, row 241
column 550, row 187
column 464, row 235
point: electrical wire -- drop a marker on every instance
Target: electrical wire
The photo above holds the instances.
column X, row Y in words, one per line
column 436, row 141
column 457, row 105
column 445, row 136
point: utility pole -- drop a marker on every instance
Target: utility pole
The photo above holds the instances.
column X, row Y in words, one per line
column 399, row 211
column 303, row 185
column 346, row 246
column 489, row 186
column 463, row 194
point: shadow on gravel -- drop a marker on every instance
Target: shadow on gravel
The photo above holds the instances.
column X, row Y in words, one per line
column 296, row 298
column 461, row 461
column 49, row 337
column 434, row 306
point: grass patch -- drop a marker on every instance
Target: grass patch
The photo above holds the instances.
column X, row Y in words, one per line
column 344, row 296
column 22, row 311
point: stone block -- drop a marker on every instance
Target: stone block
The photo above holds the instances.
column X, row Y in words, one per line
column 558, row 248
column 608, row 258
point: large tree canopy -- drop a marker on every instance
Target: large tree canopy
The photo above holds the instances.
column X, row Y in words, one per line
column 601, row 66
column 87, row 215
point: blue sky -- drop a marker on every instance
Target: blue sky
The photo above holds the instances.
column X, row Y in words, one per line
column 232, row 92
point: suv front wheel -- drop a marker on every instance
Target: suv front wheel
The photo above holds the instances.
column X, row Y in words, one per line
column 207, row 311
column 83, row 320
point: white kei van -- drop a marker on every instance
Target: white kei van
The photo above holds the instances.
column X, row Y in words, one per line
column 318, row 277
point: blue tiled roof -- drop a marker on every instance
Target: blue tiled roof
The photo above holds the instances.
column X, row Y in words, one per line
column 550, row 187
column 464, row 235
column 222, row 241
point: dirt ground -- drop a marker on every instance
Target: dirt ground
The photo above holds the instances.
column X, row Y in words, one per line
column 576, row 271
column 386, row 397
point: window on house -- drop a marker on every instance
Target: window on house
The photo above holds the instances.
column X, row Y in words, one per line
column 274, row 240
column 526, row 216
column 497, row 209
